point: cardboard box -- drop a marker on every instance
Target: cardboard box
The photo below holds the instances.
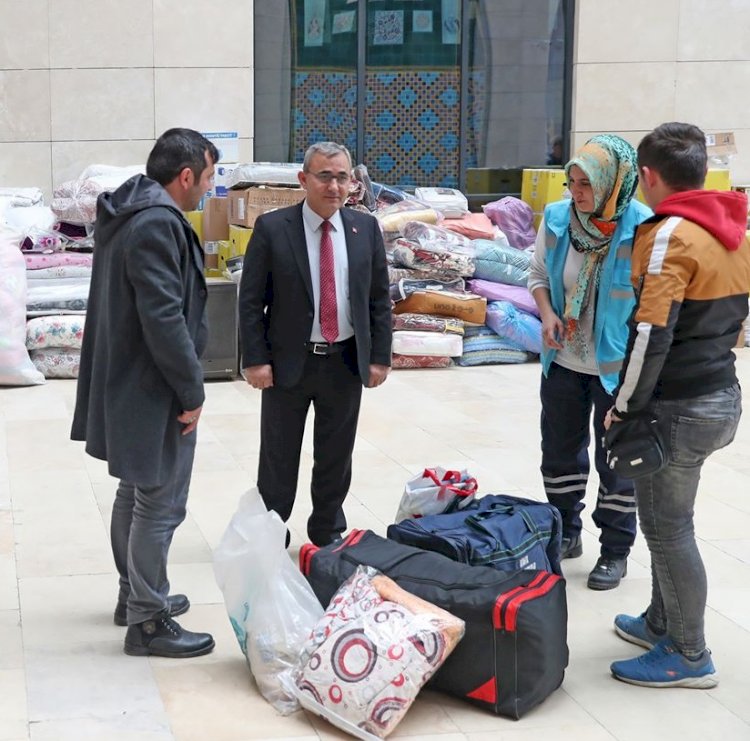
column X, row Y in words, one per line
column 494, row 180
column 720, row 144
column 215, row 219
column 239, row 237
column 540, row 187
column 222, row 171
column 196, row 221
column 717, row 180
column 226, row 252
column 245, row 206
column 210, row 255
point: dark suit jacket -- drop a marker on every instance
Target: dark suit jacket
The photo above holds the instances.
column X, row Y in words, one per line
column 276, row 296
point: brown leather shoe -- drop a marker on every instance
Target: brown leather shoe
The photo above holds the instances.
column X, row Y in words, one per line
column 178, row 604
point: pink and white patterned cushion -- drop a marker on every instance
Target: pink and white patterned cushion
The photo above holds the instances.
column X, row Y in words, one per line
column 369, row 655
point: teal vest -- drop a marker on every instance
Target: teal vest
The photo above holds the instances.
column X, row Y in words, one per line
column 615, row 298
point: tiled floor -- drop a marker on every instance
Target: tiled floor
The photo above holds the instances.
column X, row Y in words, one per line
column 63, row 676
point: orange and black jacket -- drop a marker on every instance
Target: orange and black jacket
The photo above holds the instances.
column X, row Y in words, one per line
column 691, row 275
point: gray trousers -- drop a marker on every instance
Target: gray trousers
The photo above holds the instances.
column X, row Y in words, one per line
column 692, row 429
column 143, row 522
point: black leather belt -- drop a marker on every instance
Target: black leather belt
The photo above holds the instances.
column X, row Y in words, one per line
column 327, row 348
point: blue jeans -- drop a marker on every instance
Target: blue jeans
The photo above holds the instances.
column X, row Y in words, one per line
column 691, row 429
column 571, row 402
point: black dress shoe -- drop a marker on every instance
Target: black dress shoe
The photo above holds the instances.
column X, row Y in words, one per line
column 571, row 547
column 178, row 604
column 607, row 573
column 323, row 541
column 162, row 636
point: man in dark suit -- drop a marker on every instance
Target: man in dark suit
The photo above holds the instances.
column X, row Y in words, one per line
column 315, row 325
column 140, row 387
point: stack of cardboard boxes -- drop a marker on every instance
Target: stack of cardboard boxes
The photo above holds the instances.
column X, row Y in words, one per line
column 225, row 223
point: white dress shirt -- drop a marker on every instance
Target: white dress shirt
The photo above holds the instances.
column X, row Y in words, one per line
column 313, row 233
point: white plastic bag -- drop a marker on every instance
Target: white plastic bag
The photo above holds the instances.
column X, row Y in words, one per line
column 271, row 606
column 434, row 492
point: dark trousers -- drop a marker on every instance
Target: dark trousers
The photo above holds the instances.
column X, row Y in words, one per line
column 333, row 386
column 144, row 519
column 568, row 399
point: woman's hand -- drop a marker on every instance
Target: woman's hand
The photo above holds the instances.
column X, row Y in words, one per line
column 552, row 330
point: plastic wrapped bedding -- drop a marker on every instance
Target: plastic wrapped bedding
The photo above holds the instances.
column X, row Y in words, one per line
column 516, row 220
column 16, row 369
column 419, row 361
column 428, row 323
column 406, row 286
column 75, row 201
column 395, row 274
column 58, row 290
column 516, row 325
column 417, row 258
column 474, row 226
column 80, row 272
column 264, row 173
column 433, row 237
column 393, row 218
column 519, row 296
column 371, row 653
column 427, row 343
column 57, row 362
column 450, row 202
column 55, row 331
column 501, row 263
column 36, row 261
column 482, row 346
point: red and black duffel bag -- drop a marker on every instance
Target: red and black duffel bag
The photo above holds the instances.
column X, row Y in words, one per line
column 514, row 652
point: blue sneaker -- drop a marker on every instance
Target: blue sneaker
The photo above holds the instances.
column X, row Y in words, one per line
column 636, row 630
column 665, row 666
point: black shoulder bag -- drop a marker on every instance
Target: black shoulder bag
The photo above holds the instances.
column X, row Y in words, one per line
column 634, row 447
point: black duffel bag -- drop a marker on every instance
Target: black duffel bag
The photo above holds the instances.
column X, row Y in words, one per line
column 514, row 652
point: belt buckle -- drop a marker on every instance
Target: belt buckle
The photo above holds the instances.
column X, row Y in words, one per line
column 320, row 348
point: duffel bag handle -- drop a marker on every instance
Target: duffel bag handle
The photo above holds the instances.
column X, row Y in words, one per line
column 477, row 519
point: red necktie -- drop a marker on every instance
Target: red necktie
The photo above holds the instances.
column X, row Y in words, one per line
column 329, row 321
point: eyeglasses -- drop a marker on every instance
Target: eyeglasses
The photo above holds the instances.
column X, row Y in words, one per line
column 326, row 177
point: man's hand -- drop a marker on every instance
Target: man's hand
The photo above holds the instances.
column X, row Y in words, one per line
column 190, row 419
column 610, row 418
column 378, row 374
column 259, row 376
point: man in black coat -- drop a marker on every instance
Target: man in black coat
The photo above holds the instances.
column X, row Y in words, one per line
column 140, row 387
column 315, row 326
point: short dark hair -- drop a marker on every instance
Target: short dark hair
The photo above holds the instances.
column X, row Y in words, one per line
column 177, row 149
column 677, row 151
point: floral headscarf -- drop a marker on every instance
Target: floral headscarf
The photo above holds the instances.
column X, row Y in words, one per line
column 610, row 164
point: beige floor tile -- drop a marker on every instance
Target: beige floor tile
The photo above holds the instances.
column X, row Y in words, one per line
column 218, row 699
column 93, row 680
column 13, row 714
column 85, row 729
column 11, row 640
column 8, row 582
column 78, row 607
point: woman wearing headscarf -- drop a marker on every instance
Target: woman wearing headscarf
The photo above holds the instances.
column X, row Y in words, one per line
column 580, row 280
